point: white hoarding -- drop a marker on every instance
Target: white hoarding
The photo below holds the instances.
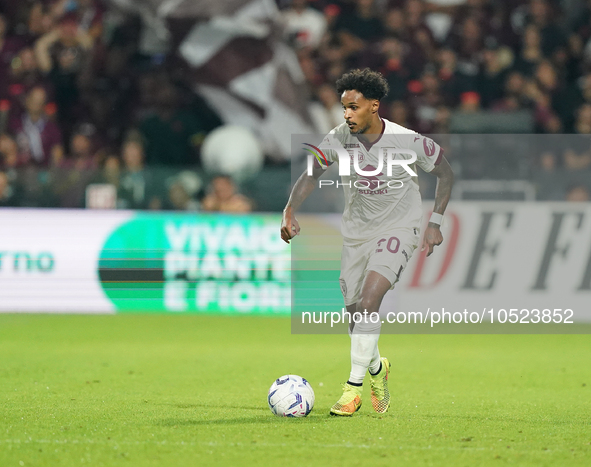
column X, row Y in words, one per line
column 506, row 255
column 495, row 255
column 48, row 259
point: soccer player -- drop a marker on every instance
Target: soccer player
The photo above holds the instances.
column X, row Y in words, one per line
column 380, row 224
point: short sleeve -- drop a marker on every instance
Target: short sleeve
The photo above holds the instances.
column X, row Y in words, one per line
column 429, row 153
column 327, row 156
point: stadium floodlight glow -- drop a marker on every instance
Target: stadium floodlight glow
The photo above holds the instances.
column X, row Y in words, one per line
column 345, row 161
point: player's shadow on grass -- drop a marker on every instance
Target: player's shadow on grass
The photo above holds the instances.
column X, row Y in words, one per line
column 219, row 421
column 219, row 406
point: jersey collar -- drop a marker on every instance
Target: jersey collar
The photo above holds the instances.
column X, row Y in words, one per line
column 369, row 145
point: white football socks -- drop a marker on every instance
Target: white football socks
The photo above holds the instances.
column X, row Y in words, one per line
column 374, row 365
column 364, row 349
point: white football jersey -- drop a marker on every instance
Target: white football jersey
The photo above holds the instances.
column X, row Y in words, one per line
column 377, row 204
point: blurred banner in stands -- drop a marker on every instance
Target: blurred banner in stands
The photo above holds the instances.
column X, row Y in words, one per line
column 237, row 61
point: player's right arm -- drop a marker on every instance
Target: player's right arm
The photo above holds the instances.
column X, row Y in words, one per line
column 300, row 191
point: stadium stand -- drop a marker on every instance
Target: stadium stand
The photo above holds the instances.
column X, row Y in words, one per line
column 104, row 92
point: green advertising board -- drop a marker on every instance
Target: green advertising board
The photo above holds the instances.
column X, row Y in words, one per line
column 208, row 263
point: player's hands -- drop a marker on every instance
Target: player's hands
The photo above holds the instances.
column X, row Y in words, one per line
column 432, row 238
column 289, row 225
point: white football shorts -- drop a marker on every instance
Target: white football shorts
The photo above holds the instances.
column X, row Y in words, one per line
column 387, row 254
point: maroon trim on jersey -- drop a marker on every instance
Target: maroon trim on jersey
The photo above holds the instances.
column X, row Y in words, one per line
column 368, row 146
column 439, row 157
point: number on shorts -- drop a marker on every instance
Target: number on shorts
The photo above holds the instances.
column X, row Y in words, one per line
column 379, row 249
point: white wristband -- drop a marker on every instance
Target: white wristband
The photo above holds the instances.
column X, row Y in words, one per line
column 436, row 218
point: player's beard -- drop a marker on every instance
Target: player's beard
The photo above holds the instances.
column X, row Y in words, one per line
column 359, row 130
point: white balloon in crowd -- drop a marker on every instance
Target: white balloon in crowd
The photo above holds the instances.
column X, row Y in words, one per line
column 232, row 150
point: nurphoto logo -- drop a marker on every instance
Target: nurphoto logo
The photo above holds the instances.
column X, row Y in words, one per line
column 369, row 174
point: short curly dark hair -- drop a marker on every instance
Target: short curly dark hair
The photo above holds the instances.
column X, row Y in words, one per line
column 371, row 84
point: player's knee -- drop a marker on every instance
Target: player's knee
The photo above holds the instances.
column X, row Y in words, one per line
column 367, row 304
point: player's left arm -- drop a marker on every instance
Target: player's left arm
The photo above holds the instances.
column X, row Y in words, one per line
column 445, row 181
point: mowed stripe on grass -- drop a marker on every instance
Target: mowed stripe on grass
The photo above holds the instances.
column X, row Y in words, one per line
column 191, row 390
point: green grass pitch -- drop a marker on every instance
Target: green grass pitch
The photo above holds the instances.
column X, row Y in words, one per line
column 135, row 390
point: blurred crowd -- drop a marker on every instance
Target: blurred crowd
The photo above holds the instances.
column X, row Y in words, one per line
column 444, row 55
column 86, row 100
column 83, row 101
column 450, row 62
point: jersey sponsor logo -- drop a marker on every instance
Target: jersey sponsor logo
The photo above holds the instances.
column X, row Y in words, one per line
column 351, row 145
column 360, row 155
column 429, row 147
column 370, row 192
column 373, row 185
column 373, row 182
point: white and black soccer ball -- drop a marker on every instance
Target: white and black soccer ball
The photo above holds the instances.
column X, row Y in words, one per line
column 291, row 396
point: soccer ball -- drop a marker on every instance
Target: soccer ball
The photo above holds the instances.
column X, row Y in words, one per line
column 291, row 396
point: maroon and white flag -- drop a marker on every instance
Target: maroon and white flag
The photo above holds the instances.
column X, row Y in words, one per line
column 238, row 63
